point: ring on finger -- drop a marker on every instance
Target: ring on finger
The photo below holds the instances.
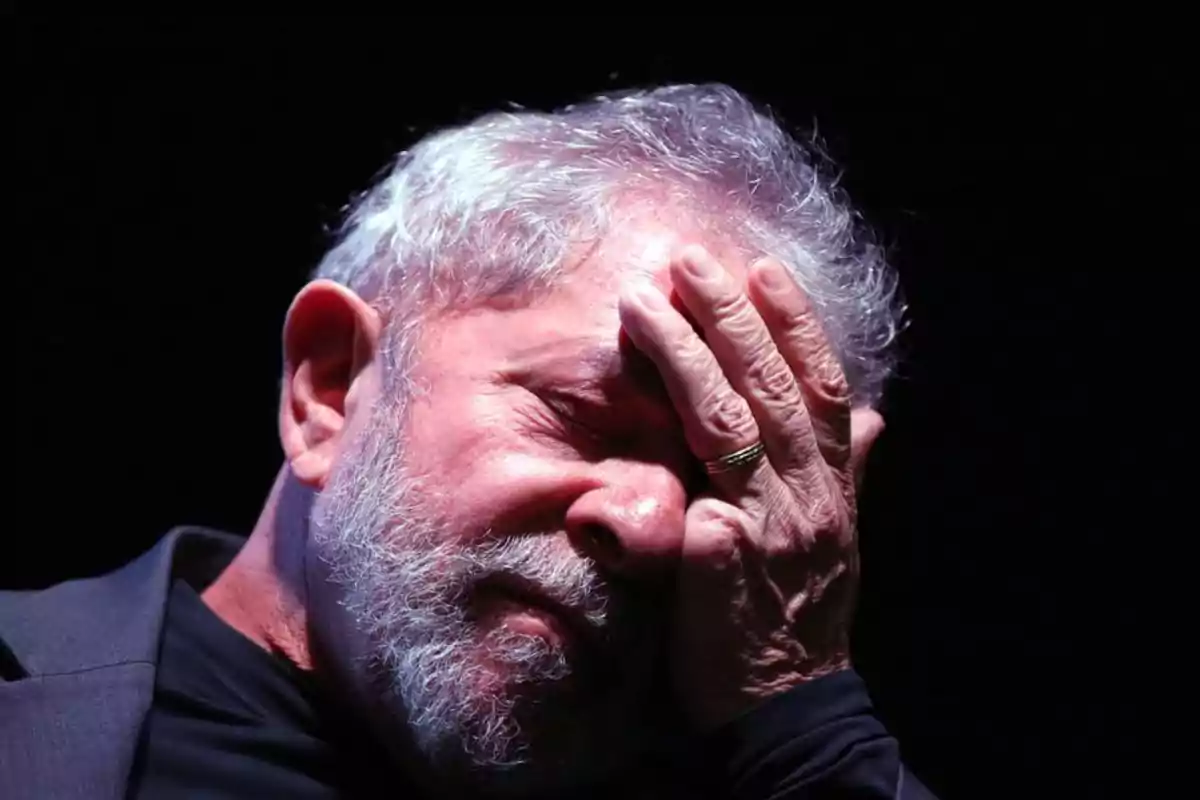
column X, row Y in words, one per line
column 738, row 458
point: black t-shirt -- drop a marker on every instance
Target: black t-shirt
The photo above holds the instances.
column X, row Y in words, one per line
column 230, row 720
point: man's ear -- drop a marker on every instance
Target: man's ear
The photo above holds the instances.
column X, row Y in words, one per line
column 329, row 338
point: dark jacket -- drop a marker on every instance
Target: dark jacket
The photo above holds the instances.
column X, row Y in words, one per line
column 78, row 665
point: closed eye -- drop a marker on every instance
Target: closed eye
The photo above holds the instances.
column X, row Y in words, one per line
column 572, row 416
column 598, row 429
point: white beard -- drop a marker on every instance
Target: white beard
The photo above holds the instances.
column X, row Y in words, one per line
column 487, row 701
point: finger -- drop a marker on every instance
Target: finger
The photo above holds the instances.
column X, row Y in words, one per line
column 716, row 420
column 709, row 626
column 712, row 531
column 865, row 427
column 793, row 324
column 741, row 343
column 710, row 578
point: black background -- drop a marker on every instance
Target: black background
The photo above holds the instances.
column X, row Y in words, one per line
column 184, row 176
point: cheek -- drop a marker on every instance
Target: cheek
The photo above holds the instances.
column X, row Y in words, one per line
column 461, row 447
column 450, row 422
column 486, row 470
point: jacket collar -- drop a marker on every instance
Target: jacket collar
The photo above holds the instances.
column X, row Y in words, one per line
column 111, row 619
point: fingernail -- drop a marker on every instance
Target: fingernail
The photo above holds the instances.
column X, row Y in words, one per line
column 700, row 265
column 650, row 298
column 771, row 275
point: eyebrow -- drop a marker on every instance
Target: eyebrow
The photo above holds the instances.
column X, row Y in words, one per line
column 591, row 371
column 600, row 369
column 599, row 363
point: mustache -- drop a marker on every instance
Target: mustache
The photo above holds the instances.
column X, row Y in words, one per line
column 627, row 617
column 540, row 562
column 617, row 614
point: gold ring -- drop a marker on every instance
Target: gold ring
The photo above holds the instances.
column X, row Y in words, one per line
column 738, row 458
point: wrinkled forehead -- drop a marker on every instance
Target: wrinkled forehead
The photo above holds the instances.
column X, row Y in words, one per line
column 641, row 248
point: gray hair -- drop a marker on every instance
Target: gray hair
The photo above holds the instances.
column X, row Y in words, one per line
column 490, row 209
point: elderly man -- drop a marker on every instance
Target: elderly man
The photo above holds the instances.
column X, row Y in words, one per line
column 573, row 416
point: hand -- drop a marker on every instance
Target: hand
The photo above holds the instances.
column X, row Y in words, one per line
column 769, row 566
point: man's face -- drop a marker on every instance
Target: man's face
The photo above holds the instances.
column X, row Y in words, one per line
column 504, row 554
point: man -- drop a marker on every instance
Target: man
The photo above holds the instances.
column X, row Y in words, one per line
column 568, row 503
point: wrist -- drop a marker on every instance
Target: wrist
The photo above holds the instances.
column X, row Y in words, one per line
column 802, row 737
column 761, row 685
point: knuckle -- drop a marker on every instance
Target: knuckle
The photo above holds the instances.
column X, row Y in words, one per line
column 733, row 309
column 724, row 413
column 716, row 530
column 833, row 379
column 824, row 512
column 825, row 381
column 716, row 516
column 805, row 334
column 773, row 380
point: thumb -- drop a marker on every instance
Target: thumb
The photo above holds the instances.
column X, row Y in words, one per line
column 710, row 578
column 707, row 634
column 712, row 539
column 866, row 425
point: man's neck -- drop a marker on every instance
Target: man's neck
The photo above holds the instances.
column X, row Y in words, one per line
column 261, row 594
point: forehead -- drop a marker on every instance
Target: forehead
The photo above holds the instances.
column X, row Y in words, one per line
column 574, row 330
column 581, row 319
column 641, row 249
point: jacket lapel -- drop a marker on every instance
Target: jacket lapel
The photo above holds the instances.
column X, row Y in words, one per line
column 83, row 654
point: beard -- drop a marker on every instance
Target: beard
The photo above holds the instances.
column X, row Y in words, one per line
column 482, row 703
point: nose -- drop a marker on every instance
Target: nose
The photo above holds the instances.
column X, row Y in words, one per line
column 632, row 524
